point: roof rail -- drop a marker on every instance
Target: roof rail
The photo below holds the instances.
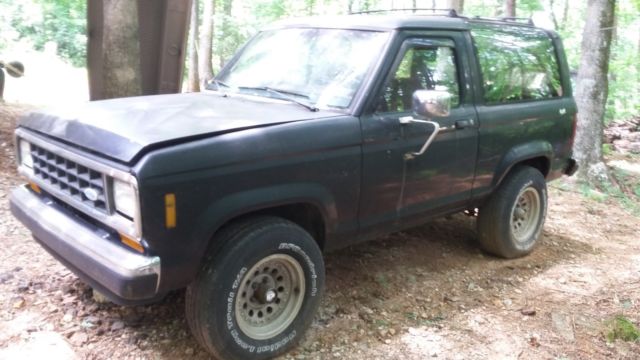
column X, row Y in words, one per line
column 519, row 20
column 442, row 12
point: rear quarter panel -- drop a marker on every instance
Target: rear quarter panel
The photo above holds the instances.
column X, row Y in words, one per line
column 513, row 132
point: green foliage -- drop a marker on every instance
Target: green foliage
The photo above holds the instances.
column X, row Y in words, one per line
column 270, row 10
column 485, row 8
column 624, row 65
column 624, row 190
column 65, row 23
column 15, row 18
column 620, row 328
column 526, row 8
column 62, row 22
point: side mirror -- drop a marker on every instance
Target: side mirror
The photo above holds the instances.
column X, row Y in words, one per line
column 431, row 103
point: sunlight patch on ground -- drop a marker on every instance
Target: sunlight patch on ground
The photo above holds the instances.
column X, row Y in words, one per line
column 626, row 166
column 48, row 80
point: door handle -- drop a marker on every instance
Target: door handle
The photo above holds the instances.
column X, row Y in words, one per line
column 436, row 129
column 461, row 124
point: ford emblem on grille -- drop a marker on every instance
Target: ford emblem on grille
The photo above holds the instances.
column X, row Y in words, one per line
column 91, row 194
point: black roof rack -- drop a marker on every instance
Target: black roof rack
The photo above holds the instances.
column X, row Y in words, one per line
column 450, row 13
column 519, row 20
column 442, row 12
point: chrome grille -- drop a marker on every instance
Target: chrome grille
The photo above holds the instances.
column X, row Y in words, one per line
column 69, row 177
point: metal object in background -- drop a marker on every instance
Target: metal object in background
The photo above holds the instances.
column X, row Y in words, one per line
column 162, row 28
column 13, row 68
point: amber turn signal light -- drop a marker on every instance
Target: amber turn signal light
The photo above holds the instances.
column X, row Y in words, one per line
column 170, row 210
column 131, row 243
column 35, row 187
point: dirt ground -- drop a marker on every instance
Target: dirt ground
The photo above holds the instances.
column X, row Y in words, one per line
column 425, row 293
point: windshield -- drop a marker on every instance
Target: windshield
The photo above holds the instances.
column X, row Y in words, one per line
column 322, row 67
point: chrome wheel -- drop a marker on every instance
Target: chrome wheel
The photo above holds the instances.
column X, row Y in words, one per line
column 525, row 215
column 270, row 296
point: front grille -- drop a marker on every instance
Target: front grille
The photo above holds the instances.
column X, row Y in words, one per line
column 69, row 177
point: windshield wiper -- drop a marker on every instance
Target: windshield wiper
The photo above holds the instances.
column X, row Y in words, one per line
column 219, row 85
column 283, row 95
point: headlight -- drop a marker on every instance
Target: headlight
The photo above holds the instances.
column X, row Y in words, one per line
column 124, row 196
column 25, row 154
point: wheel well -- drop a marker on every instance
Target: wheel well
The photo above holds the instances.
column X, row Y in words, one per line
column 541, row 163
column 304, row 215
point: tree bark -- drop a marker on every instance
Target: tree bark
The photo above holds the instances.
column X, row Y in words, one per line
column 457, row 5
column 227, row 9
column 554, row 18
column 206, row 42
column 121, row 47
column 565, row 15
column 510, row 8
column 592, row 90
column 193, row 82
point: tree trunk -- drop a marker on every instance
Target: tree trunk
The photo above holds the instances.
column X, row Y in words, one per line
column 193, row 82
column 592, row 90
column 457, row 5
column 565, row 15
column 121, row 47
column 510, row 8
column 206, row 42
column 227, row 8
column 1, row 84
column 554, row 18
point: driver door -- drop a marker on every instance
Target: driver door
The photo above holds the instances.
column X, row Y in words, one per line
column 398, row 189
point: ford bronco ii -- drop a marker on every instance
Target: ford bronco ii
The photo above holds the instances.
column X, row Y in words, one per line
column 318, row 134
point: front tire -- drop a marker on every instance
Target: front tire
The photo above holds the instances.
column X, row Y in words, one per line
column 257, row 294
column 510, row 223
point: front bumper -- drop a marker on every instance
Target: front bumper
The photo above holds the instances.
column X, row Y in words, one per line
column 123, row 276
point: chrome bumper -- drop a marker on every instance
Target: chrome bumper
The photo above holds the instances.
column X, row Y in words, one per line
column 122, row 275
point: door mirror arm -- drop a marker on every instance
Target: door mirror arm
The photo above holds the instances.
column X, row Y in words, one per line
column 428, row 104
column 436, row 130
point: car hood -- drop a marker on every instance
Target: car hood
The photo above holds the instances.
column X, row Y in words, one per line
column 122, row 129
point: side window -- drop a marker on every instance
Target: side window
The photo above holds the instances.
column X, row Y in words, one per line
column 421, row 68
column 517, row 63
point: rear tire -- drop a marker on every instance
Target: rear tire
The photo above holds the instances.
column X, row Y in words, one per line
column 258, row 292
column 510, row 223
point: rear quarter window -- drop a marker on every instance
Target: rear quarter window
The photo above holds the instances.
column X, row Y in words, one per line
column 518, row 63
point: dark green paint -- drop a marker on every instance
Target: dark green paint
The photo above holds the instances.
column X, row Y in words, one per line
column 347, row 165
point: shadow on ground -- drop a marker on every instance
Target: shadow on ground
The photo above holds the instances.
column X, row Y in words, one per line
column 420, row 277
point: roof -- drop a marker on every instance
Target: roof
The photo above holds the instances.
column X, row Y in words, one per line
column 390, row 22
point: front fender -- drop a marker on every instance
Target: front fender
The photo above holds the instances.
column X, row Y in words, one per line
column 233, row 205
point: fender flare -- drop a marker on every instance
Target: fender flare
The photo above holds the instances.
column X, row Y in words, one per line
column 518, row 154
column 237, row 204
